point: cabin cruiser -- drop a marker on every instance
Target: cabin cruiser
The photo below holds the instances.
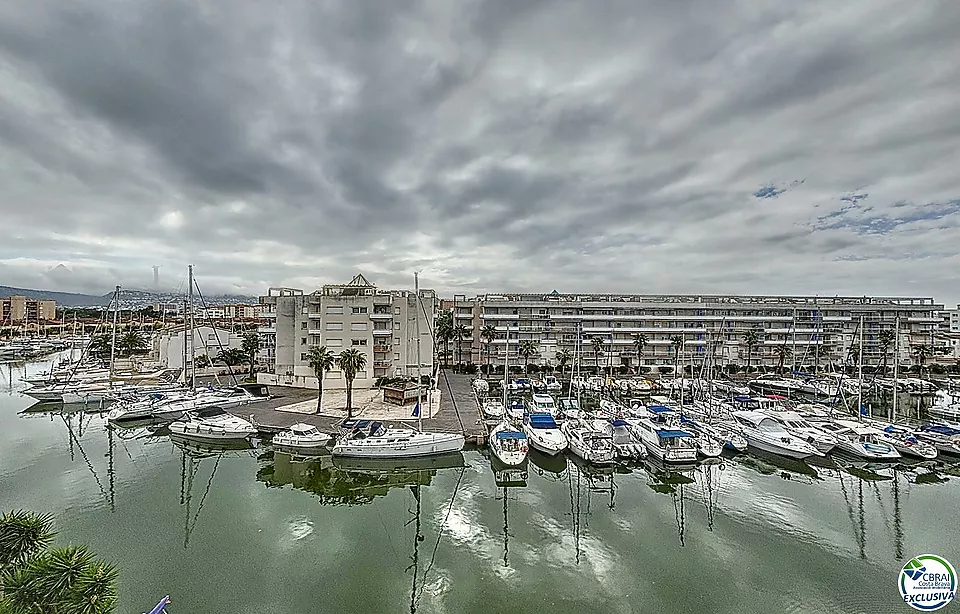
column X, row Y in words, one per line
column 859, row 440
column 945, row 406
column 904, row 440
column 669, row 445
column 611, row 409
column 785, row 385
column 544, row 434
column 508, row 445
column 175, row 403
column 552, row 384
column 493, row 408
column 371, row 439
column 542, row 404
column 302, row 436
column 945, row 438
column 625, row 445
column 797, row 425
column 212, row 423
column 592, row 445
column 516, row 408
column 766, row 434
column 569, row 408
column 708, row 444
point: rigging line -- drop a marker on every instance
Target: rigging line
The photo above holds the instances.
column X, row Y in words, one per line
column 203, row 302
column 87, row 460
column 883, row 511
column 446, row 516
column 206, row 491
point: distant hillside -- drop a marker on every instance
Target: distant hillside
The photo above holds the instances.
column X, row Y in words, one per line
column 129, row 299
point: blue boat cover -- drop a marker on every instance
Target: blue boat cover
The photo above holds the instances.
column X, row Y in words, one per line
column 936, row 428
column 657, row 409
column 542, row 421
column 619, row 423
column 510, row 435
column 665, row 434
column 741, row 398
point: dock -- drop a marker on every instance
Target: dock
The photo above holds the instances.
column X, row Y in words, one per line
column 458, row 413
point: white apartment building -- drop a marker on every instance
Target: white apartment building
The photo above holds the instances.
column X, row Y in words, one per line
column 819, row 331
column 167, row 344
column 379, row 323
column 951, row 320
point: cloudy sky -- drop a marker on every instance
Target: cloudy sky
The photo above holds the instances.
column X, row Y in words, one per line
column 728, row 147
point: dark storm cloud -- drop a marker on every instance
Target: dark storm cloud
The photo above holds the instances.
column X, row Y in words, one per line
column 515, row 144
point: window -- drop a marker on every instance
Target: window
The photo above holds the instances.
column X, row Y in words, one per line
column 303, row 326
column 396, row 355
column 335, row 310
column 334, row 343
column 358, row 326
column 334, row 325
column 396, row 341
column 333, row 375
column 396, row 325
column 303, row 355
column 303, row 341
column 358, row 310
column 396, row 311
column 356, row 342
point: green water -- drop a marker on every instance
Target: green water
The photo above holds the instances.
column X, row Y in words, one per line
column 253, row 531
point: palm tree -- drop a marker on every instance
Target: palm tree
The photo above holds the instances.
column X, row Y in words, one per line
column 597, row 350
column 676, row 342
column 639, row 342
column 563, row 357
column 232, row 357
column 250, row 347
column 752, row 339
column 23, row 535
column 351, row 362
column 527, row 349
column 782, row 352
column 445, row 333
column 885, row 339
column 320, row 360
column 488, row 333
column 459, row 333
column 99, row 346
column 131, row 342
column 921, row 353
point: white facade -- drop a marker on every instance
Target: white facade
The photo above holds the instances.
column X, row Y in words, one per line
column 951, row 320
column 207, row 341
column 381, row 324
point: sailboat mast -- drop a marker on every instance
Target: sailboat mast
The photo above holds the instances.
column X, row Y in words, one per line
column 896, row 368
column 860, row 373
column 506, row 368
column 193, row 368
column 113, row 339
column 416, row 326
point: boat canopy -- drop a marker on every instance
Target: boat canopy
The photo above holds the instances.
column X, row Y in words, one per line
column 619, row 422
column 542, row 421
column 743, row 398
column 209, row 412
column 942, row 430
column 510, row 435
column 659, row 409
column 666, row 434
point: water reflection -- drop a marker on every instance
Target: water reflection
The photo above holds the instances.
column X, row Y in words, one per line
column 507, row 478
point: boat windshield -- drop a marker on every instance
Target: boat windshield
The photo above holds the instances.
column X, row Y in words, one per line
column 210, row 412
column 769, row 425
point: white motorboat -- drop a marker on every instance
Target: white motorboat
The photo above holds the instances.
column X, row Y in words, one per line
column 726, row 433
column 212, row 423
column 665, row 444
column 302, row 436
column 797, row 425
column 904, row 440
column 945, row 438
column 480, row 387
column 542, row 404
column 552, row 384
column 569, row 408
column 516, row 409
column 766, row 434
column 785, row 385
column 611, row 409
column 708, row 444
column 859, row 440
column 493, row 408
column 368, row 439
column 544, row 434
column 625, row 445
column 175, row 403
column 945, row 406
column 592, row 445
column 508, row 444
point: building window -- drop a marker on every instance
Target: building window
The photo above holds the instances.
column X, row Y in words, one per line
column 396, row 325
column 358, row 326
column 356, row 342
column 303, row 355
column 303, row 326
column 334, row 325
column 396, row 311
column 335, row 310
column 303, row 341
column 358, row 310
column 334, row 343
column 396, row 355
column 396, row 341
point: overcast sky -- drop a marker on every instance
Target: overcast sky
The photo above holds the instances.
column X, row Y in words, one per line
column 628, row 146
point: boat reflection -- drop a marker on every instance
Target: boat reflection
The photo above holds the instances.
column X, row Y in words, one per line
column 774, row 464
column 545, row 464
column 507, row 477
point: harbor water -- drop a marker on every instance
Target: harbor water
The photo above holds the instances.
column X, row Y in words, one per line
column 256, row 531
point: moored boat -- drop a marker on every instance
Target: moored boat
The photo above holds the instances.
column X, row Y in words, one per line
column 508, row 445
column 373, row 439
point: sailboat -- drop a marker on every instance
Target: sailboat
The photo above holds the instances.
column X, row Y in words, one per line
column 592, row 445
column 508, row 444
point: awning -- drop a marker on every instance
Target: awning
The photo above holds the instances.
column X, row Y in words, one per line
column 666, row 434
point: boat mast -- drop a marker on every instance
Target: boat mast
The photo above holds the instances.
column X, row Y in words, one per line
column 113, row 339
column 193, row 364
column 860, row 373
column 577, row 358
column 416, row 326
column 506, row 369
column 896, row 368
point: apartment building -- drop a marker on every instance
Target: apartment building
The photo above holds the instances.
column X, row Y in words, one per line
column 381, row 324
column 817, row 330
column 22, row 310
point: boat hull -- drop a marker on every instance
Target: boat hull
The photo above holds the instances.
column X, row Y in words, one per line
column 439, row 445
column 772, row 448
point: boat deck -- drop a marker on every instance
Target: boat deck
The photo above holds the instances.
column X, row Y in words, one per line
column 459, row 411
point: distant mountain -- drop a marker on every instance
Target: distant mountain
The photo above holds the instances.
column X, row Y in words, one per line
column 129, row 299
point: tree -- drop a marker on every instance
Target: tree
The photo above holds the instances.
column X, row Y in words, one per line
column 38, row 580
column 131, row 342
column 351, row 362
column 885, row 339
column 782, row 352
column 921, row 353
column 488, row 333
column 202, row 361
column 232, row 357
column 250, row 346
column 321, row 360
column 597, row 350
column 676, row 342
column 444, row 331
column 460, row 332
column 99, row 346
column 639, row 342
column 527, row 350
column 752, row 339
column 563, row 357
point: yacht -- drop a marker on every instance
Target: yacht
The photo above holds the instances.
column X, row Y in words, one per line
column 727, row 433
column 766, row 434
column 369, row 439
column 625, row 444
column 552, row 383
column 945, row 438
column 797, row 425
column 904, row 440
column 542, row 404
column 508, row 445
column 593, row 446
column 175, row 404
column 859, row 440
column 302, row 436
column 212, row 423
column 493, row 408
column 670, row 445
column 569, row 408
column 708, row 444
column 785, row 385
column 516, row 408
column 945, row 406
column 544, row 434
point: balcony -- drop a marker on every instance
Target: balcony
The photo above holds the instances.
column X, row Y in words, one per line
column 379, row 315
column 382, row 331
column 381, row 364
column 268, row 314
column 381, row 348
column 267, row 330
